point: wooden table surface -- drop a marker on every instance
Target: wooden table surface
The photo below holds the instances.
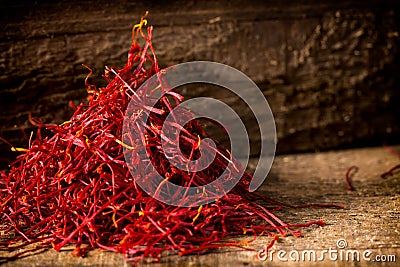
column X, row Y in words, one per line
column 370, row 220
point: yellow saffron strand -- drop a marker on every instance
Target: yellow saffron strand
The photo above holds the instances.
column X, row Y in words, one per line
column 124, row 145
column 19, row 149
column 198, row 213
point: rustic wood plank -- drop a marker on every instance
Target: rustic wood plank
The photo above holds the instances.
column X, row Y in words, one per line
column 369, row 221
column 328, row 69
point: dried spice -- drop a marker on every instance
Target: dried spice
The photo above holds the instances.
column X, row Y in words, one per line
column 391, row 171
column 75, row 187
column 349, row 174
column 394, row 169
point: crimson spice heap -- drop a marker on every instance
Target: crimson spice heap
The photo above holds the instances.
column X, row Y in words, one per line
column 74, row 187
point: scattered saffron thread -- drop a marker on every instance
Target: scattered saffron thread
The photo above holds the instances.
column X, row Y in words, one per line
column 349, row 174
column 390, row 172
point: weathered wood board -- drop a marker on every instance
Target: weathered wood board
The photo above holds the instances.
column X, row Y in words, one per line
column 329, row 69
column 370, row 220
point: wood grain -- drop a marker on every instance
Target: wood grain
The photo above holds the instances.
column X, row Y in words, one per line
column 328, row 69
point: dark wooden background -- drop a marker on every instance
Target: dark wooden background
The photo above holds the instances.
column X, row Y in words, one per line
column 329, row 69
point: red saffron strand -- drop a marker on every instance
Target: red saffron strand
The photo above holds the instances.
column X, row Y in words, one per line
column 349, row 174
column 390, row 172
column 392, row 150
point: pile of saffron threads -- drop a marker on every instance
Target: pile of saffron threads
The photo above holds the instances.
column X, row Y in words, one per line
column 75, row 186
